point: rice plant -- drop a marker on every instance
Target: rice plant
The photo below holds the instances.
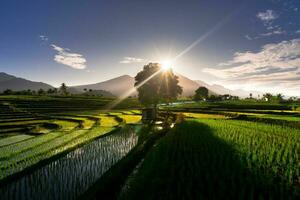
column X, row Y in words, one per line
column 71, row 175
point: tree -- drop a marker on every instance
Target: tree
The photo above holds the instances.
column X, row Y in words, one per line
column 154, row 85
column 201, row 93
column 63, row 89
column 8, row 92
column 50, row 91
column 267, row 96
column 41, row 92
column 251, row 95
column 279, row 97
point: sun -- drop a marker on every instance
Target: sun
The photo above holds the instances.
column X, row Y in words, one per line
column 166, row 65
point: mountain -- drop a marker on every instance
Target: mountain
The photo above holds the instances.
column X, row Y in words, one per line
column 17, row 84
column 219, row 89
column 116, row 86
column 120, row 85
column 188, row 86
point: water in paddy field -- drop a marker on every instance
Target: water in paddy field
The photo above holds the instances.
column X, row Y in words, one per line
column 73, row 174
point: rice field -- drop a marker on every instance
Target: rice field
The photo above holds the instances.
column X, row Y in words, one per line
column 208, row 158
column 69, row 176
column 28, row 138
column 59, row 149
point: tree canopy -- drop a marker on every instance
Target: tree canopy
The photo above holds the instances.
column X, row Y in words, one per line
column 63, row 89
column 201, row 93
column 161, row 87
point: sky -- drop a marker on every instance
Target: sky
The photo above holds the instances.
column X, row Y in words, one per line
column 240, row 44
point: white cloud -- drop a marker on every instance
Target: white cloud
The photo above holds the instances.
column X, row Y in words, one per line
column 276, row 64
column 248, row 37
column 298, row 31
column 65, row 57
column 129, row 60
column 43, row 38
column 267, row 16
column 275, row 32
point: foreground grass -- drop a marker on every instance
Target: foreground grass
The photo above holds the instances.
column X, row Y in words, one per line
column 17, row 156
column 14, row 139
column 217, row 159
column 17, row 161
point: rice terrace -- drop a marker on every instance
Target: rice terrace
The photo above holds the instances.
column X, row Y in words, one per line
column 94, row 103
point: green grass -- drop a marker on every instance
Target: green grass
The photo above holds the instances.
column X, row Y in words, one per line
column 65, row 125
column 20, row 153
column 29, row 122
column 131, row 119
column 107, row 121
column 87, row 123
column 221, row 159
column 203, row 115
column 287, row 118
column 13, row 139
column 26, row 159
column 8, row 151
column 62, row 104
column 258, row 105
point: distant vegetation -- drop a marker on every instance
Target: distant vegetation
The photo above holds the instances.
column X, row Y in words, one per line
column 202, row 94
column 63, row 90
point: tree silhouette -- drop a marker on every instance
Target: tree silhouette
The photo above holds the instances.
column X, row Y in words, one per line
column 41, row 92
column 267, row 96
column 279, row 97
column 162, row 87
column 63, row 89
column 201, row 93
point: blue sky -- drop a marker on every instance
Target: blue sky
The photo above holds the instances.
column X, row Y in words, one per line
column 250, row 44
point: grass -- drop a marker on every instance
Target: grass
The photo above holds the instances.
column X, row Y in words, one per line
column 203, row 116
column 66, row 125
column 210, row 155
column 131, row 119
column 72, row 174
column 108, row 121
column 217, row 159
column 15, row 161
column 14, row 139
column 17, row 156
column 87, row 123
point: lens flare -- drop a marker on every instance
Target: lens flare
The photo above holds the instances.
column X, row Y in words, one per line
column 166, row 64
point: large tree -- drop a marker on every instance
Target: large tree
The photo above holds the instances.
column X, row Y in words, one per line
column 155, row 85
column 63, row 89
column 267, row 96
column 279, row 97
column 201, row 93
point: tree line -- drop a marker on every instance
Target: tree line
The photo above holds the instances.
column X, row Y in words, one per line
column 62, row 90
column 202, row 94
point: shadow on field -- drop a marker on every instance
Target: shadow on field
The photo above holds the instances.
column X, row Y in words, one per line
column 192, row 163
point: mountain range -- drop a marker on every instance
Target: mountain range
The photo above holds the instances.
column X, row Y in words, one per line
column 116, row 86
column 17, row 84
